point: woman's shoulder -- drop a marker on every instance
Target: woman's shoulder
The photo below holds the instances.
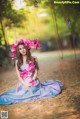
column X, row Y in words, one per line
column 16, row 61
column 34, row 58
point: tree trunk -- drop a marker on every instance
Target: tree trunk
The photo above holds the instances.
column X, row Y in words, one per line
column 3, row 32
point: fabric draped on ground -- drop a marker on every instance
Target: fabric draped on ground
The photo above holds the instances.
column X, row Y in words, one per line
column 41, row 90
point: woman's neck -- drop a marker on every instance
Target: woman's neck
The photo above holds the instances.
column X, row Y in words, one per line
column 24, row 59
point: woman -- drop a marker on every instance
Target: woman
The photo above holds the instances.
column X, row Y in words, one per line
column 29, row 86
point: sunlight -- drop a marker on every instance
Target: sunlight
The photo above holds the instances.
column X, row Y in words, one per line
column 18, row 4
column 43, row 14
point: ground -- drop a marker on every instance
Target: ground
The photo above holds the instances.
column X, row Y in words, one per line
column 64, row 106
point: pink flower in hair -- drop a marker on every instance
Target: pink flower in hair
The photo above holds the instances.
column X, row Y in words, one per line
column 28, row 43
column 13, row 47
column 20, row 41
column 35, row 44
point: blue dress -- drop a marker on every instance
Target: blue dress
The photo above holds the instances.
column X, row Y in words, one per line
column 41, row 90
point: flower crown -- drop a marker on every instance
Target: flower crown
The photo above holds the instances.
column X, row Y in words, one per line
column 28, row 43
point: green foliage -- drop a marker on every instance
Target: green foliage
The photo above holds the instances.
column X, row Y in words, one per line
column 28, row 22
column 71, row 15
column 32, row 2
column 37, row 20
column 9, row 15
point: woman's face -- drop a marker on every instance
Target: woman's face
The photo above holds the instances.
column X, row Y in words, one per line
column 22, row 49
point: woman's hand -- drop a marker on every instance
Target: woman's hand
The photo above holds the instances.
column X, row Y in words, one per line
column 35, row 74
column 27, row 86
column 33, row 78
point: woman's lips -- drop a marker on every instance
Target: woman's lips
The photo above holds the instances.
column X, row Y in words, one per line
column 23, row 52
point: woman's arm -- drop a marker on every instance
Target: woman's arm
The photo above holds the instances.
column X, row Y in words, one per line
column 35, row 74
column 18, row 75
column 36, row 69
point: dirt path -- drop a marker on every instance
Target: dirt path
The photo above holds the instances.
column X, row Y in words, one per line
column 64, row 106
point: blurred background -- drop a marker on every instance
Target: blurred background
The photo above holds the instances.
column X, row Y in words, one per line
column 55, row 25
